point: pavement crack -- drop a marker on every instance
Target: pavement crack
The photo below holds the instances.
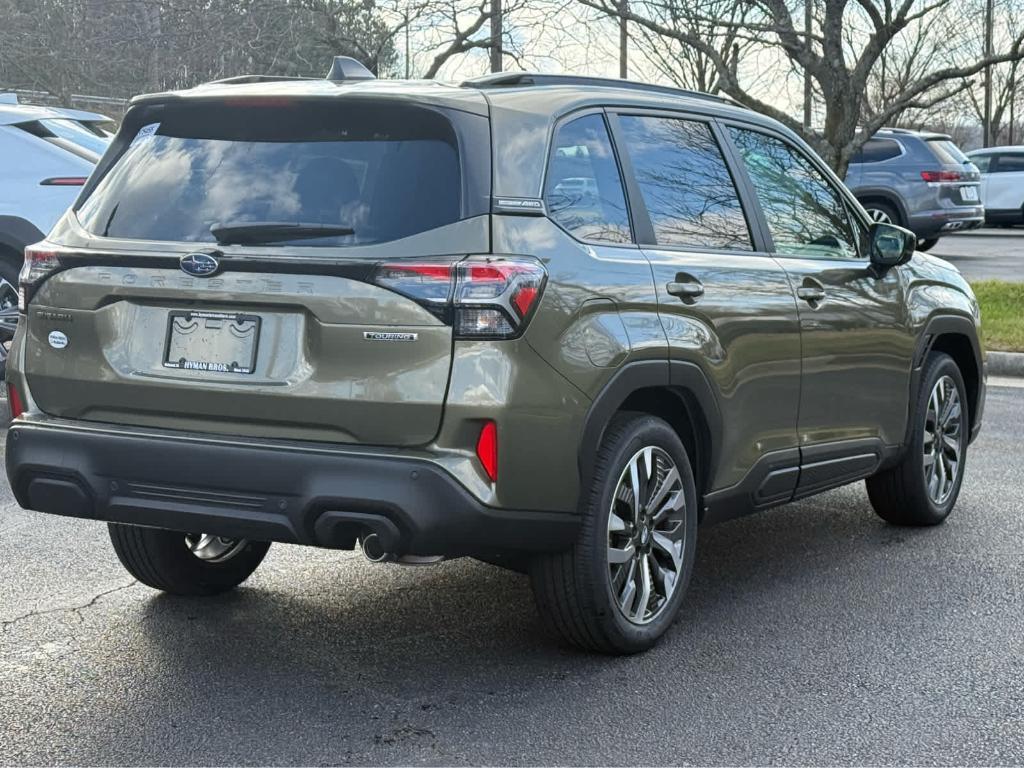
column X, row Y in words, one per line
column 6, row 625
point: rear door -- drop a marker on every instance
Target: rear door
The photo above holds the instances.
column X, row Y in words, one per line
column 322, row 335
column 857, row 343
column 1005, row 182
column 725, row 304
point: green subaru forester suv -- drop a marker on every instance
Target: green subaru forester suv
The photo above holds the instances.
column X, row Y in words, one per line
column 550, row 322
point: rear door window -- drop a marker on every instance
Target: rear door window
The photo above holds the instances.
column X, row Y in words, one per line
column 686, row 186
column 947, row 152
column 382, row 171
column 1009, row 164
column 877, row 151
column 583, row 189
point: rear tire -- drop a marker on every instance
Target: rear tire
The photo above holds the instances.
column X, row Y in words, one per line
column 619, row 588
column 163, row 560
column 927, row 244
column 923, row 488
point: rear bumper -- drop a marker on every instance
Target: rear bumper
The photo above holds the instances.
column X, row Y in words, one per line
column 264, row 490
column 943, row 221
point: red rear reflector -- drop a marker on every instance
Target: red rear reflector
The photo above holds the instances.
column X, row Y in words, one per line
column 487, row 449
column 14, row 401
column 63, row 181
column 932, row 176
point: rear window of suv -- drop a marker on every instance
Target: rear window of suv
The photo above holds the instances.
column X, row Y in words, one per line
column 947, row 152
column 377, row 172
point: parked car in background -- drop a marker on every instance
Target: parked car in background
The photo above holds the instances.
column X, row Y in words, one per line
column 1002, row 183
column 921, row 181
column 46, row 154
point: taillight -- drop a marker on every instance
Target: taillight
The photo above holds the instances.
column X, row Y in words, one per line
column 484, row 297
column 487, row 449
column 14, row 403
column 933, row 176
column 41, row 260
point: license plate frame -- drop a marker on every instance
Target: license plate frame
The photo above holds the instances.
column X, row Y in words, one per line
column 240, row 342
column 969, row 194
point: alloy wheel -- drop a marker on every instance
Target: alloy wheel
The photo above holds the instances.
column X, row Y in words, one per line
column 646, row 535
column 213, row 549
column 878, row 215
column 943, row 440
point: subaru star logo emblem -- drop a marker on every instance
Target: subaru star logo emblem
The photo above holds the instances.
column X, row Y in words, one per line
column 199, row 264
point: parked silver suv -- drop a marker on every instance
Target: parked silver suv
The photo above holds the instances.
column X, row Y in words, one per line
column 921, row 181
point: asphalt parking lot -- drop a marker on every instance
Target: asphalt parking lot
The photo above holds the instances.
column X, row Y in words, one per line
column 985, row 254
column 813, row 634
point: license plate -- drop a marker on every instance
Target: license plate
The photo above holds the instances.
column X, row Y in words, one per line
column 969, row 193
column 213, row 342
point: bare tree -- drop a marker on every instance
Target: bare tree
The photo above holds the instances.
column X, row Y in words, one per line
column 838, row 62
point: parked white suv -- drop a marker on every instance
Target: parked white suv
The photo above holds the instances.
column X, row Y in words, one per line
column 46, row 154
column 1002, row 183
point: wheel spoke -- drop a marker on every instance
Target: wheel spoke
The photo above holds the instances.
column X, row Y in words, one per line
column 615, row 523
column 667, row 484
column 646, row 584
column 674, row 549
column 634, row 482
column 620, row 555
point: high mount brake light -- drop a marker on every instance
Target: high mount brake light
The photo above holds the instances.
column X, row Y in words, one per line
column 41, row 260
column 934, row 176
column 483, row 296
column 63, row 181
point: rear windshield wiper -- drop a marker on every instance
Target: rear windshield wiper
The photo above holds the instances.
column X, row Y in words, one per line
column 256, row 232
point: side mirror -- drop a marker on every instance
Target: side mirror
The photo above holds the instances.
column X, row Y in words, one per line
column 890, row 245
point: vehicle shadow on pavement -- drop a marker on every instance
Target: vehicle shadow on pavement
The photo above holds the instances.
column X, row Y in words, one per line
column 323, row 654
column 325, row 620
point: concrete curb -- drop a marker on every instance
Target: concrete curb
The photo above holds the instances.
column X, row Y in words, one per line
column 1006, row 363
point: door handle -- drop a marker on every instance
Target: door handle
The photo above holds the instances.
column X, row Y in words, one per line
column 811, row 293
column 685, row 290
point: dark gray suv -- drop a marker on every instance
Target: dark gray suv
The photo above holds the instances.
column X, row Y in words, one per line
column 553, row 323
column 921, row 181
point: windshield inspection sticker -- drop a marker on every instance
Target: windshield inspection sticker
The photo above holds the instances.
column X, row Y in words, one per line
column 145, row 132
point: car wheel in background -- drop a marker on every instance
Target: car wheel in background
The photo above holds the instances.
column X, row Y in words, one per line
column 185, row 564
column 8, row 310
column 883, row 213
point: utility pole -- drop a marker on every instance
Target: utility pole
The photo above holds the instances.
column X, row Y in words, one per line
column 495, row 35
column 987, row 137
column 808, row 92
column 623, row 40
column 1013, row 100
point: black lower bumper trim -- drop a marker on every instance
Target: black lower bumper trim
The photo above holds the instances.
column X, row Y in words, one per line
column 255, row 490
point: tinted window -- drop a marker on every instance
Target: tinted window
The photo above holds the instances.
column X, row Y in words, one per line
column 76, row 132
column 805, row 212
column 946, row 151
column 877, row 151
column 1009, row 164
column 685, row 183
column 982, row 162
column 386, row 172
column 583, row 190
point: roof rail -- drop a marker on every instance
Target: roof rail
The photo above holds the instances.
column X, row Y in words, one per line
column 514, row 79
column 243, row 79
